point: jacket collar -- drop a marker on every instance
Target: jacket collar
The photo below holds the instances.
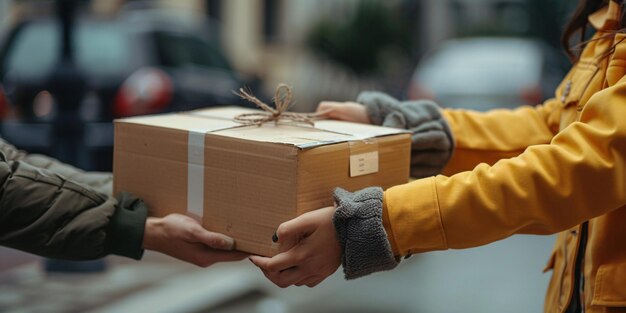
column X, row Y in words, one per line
column 607, row 18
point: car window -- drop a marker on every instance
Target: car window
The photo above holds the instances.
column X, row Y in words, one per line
column 180, row 50
column 104, row 49
column 32, row 51
column 101, row 49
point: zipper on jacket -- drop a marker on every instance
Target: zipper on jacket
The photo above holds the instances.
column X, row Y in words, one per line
column 576, row 304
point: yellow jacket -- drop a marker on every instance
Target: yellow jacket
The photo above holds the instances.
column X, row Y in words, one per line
column 537, row 170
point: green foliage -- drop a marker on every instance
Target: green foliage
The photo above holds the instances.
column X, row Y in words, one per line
column 359, row 42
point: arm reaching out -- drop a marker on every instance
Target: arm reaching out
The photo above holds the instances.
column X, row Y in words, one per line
column 47, row 214
column 432, row 139
column 352, row 235
column 182, row 237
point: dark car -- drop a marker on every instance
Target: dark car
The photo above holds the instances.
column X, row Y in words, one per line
column 140, row 62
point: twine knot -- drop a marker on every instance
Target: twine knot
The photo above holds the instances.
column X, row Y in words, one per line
column 282, row 102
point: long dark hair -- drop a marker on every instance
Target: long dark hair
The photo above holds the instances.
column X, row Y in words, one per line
column 577, row 25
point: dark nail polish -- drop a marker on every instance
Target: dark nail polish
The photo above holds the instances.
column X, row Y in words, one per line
column 275, row 237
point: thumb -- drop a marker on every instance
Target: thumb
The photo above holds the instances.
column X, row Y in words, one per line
column 326, row 106
column 294, row 229
column 329, row 109
column 395, row 120
column 212, row 240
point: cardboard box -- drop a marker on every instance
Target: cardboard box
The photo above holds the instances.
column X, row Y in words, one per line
column 244, row 181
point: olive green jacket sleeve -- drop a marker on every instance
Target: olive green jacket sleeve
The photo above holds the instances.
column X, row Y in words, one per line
column 99, row 181
column 46, row 213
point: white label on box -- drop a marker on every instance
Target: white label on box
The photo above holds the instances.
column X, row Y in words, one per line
column 363, row 164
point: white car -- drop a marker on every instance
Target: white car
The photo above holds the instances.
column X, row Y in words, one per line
column 486, row 73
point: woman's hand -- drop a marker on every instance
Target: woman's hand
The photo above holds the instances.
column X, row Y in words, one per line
column 182, row 237
column 313, row 251
column 344, row 111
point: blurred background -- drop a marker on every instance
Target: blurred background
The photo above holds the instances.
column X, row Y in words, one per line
column 68, row 68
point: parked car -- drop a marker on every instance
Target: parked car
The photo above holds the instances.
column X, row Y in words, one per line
column 487, row 73
column 140, row 62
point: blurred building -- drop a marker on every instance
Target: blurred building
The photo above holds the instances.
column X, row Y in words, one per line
column 4, row 9
column 269, row 38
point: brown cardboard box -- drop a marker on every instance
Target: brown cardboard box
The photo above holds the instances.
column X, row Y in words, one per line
column 246, row 180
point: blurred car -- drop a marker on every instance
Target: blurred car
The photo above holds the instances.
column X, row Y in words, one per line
column 487, row 73
column 140, row 62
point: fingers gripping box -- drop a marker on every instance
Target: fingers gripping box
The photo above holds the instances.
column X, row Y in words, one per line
column 244, row 181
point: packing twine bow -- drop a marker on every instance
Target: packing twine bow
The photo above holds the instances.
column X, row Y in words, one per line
column 282, row 101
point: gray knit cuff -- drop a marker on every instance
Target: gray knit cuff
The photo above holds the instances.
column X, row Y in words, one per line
column 359, row 224
column 378, row 105
column 432, row 142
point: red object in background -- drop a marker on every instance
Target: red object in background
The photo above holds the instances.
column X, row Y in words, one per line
column 531, row 95
column 3, row 104
column 148, row 90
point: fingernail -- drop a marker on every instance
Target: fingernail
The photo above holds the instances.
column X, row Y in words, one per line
column 229, row 243
column 275, row 237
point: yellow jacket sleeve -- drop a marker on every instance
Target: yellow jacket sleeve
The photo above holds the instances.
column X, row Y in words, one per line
column 490, row 136
column 579, row 174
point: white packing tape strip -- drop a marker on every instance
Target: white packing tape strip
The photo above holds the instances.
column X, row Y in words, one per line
column 195, row 172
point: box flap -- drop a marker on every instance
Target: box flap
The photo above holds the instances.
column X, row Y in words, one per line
column 357, row 129
column 181, row 121
column 219, row 121
column 299, row 136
